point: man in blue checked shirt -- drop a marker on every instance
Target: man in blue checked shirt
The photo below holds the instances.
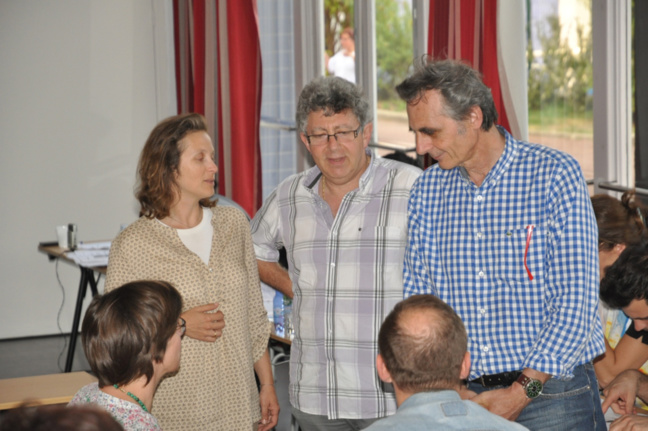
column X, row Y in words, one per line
column 504, row 232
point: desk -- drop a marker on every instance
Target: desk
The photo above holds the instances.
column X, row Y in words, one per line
column 48, row 389
column 87, row 279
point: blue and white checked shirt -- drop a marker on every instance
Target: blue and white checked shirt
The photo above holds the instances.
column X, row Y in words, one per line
column 467, row 246
column 347, row 276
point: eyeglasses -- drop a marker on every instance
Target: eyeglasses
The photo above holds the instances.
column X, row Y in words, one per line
column 342, row 137
column 182, row 326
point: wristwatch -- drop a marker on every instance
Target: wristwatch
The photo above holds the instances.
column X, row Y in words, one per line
column 532, row 387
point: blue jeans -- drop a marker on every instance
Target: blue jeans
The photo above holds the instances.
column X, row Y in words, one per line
column 572, row 405
column 309, row 422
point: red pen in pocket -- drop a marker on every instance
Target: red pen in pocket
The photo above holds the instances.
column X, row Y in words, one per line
column 529, row 229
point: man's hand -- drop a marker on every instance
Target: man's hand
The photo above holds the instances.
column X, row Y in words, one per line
column 630, row 423
column 507, row 402
column 203, row 324
column 622, row 391
column 465, row 393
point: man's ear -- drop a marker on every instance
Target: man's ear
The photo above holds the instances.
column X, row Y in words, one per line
column 465, row 367
column 383, row 373
column 304, row 139
column 476, row 117
column 367, row 130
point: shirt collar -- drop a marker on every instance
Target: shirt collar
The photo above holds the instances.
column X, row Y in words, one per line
column 510, row 150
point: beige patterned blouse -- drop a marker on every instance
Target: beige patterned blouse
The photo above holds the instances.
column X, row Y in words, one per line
column 215, row 388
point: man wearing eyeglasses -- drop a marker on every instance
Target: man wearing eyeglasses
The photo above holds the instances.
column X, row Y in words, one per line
column 344, row 226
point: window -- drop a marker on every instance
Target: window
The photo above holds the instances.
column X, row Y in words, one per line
column 559, row 60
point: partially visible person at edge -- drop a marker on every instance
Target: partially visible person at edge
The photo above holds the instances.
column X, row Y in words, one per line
column 205, row 251
column 343, row 223
column 423, row 354
column 58, row 418
column 131, row 338
column 503, row 231
column 621, row 223
column 342, row 64
column 625, row 287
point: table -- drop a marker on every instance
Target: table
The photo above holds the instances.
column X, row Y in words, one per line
column 53, row 251
column 47, row 389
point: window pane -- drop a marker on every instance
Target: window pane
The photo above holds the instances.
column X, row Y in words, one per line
column 559, row 57
column 394, row 55
column 278, row 145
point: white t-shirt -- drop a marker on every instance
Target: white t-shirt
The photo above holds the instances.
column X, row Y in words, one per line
column 199, row 238
column 343, row 66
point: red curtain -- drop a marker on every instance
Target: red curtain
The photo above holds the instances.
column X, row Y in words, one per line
column 218, row 73
column 467, row 30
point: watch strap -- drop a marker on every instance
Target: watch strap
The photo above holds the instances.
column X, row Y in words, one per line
column 532, row 387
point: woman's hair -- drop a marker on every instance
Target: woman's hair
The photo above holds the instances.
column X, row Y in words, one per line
column 348, row 31
column 331, row 95
column 127, row 329
column 619, row 221
column 159, row 161
column 460, row 85
column 58, row 418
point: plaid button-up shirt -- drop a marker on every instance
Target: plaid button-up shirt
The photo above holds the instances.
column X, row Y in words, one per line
column 347, row 276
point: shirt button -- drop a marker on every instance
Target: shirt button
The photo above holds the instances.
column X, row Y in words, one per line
column 485, row 348
column 480, row 198
column 480, row 235
column 211, row 269
column 481, row 274
column 482, row 311
column 333, row 264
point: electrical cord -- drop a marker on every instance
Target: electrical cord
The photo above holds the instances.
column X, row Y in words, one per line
column 58, row 316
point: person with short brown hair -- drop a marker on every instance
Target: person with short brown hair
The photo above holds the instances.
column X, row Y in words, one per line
column 131, row 338
column 424, row 354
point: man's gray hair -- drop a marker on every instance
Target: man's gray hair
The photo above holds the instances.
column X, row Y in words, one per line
column 460, row 85
column 331, row 95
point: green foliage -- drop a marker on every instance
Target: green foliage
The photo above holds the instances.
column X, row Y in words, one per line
column 394, row 45
column 563, row 76
column 338, row 15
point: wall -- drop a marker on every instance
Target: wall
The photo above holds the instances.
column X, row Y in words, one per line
column 79, row 93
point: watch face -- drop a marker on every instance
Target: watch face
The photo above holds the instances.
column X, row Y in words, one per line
column 533, row 388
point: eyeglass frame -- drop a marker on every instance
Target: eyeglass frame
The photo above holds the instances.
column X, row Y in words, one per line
column 183, row 327
column 328, row 136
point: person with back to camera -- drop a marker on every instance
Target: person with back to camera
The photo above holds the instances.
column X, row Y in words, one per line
column 424, row 354
column 342, row 64
column 625, row 287
column 131, row 338
column 621, row 223
column 205, row 251
column 503, row 231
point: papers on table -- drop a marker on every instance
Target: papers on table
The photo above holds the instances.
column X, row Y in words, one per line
column 91, row 254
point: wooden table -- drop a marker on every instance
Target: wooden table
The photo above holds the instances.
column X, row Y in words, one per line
column 47, row 389
column 88, row 279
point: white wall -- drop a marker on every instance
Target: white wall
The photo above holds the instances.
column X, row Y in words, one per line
column 79, row 94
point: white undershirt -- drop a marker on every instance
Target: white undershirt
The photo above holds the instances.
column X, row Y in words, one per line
column 198, row 239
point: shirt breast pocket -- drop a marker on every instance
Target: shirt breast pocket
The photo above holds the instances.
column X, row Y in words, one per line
column 521, row 254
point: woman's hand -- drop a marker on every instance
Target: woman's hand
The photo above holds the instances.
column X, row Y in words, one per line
column 269, row 407
column 203, row 324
